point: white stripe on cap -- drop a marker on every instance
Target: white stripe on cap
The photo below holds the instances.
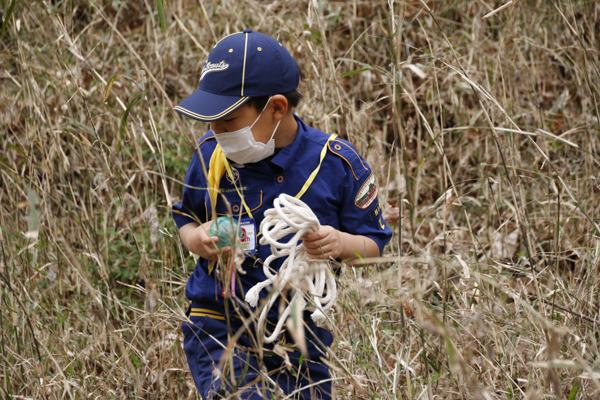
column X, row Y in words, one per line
column 244, row 67
column 211, row 117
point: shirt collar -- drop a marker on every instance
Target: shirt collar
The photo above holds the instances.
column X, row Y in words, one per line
column 289, row 153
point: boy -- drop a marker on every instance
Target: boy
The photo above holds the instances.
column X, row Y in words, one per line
column 247, row 92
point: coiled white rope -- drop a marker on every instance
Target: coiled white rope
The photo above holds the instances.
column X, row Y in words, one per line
column 290, row 215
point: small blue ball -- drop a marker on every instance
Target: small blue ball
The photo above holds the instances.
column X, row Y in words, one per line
column 225, row 228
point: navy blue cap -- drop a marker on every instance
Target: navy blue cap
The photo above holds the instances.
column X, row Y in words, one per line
column 242, row 65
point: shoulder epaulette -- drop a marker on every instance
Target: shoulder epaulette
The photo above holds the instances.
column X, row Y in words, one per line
column 347, row 153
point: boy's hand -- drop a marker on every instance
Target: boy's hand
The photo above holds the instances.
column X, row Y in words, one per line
column 324, row 243
column 195, row 237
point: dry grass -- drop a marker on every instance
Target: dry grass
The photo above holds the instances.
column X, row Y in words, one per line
column 485, row 130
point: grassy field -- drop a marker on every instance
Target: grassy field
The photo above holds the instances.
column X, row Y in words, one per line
column 484, row 129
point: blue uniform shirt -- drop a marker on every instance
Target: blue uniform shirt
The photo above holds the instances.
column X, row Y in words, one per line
column 342, row 195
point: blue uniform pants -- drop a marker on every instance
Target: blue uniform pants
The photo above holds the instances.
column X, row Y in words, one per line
column 205, row 342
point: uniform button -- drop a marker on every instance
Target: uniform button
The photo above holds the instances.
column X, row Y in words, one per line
column 247, row 30
column 235, row 208
column 280, row 179
column 337, row 146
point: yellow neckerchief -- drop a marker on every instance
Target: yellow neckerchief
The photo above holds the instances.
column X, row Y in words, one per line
column 216, row 169
column 219, row 164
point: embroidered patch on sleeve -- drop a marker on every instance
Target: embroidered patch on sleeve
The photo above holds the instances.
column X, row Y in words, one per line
column 366, row 194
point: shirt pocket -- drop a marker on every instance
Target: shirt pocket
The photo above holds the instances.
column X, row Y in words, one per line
column 253, row 200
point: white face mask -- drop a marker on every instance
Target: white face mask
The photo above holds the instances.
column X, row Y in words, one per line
column 241, row 147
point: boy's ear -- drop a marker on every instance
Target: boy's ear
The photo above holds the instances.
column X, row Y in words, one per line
column 280, row 106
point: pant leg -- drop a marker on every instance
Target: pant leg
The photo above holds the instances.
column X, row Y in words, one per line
column 311, row 378
column 204, row 342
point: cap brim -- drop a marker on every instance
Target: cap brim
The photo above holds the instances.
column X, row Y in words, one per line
column 205, row 106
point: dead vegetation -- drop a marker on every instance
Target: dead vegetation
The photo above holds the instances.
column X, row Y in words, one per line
column 484, row 130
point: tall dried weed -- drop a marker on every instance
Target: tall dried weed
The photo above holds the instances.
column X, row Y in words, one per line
column 482, row 130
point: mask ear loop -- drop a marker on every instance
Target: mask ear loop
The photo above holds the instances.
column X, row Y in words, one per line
column 276, row 126
column 261, row 113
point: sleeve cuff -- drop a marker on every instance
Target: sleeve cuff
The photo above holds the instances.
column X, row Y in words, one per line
column 380, row 240
column 181, row 220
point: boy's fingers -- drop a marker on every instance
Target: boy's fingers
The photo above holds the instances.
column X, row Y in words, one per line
column 213, row 253
column 311, row 237
column 320, row 233
column 318, row 250
column 210, row 240
column 317, row 242
column 309, row 245
column 314, row 245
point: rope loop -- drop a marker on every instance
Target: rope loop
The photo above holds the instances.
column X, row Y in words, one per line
column 308, row 282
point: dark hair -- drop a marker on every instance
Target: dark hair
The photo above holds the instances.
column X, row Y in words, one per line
column 292, row 97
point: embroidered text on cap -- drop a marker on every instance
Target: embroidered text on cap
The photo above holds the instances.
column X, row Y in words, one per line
column 210, row 67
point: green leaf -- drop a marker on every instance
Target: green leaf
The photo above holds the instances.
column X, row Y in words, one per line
column 2, row 162
column 315, row 33
column 17, row 148
column 356, row 71
column 364, row 65
column 83, row 127
column 574, row 390
column 9, row 12
column 357, row 254
column 57, row 6
column 109, row 87
column 136, row 361
column 124, row 120
column 8, row 396
column 161, row 15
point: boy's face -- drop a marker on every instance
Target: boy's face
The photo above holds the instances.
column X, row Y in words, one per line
column 245, row 116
